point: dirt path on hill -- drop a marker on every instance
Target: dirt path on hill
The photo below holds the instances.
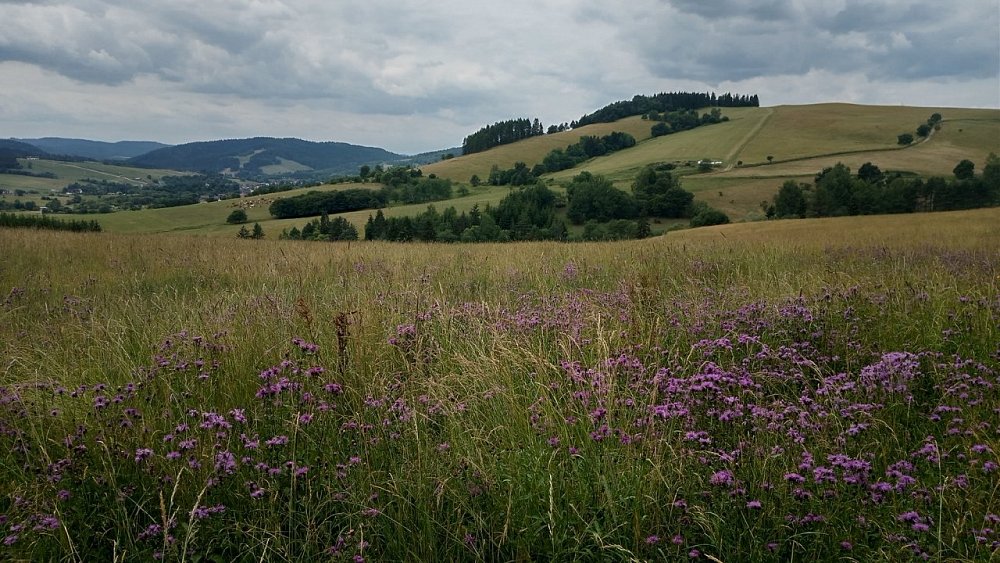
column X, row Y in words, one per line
column 747, row 138
column 119, row 176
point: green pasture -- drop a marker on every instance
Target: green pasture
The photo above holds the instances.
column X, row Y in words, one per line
column 530, row 151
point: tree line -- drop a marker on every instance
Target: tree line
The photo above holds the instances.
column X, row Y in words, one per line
column 323, row 228
column 665, row 102
column 400, row 184
column 530, row 212
column 681, row 120
column 589, row 146
column 836, row 192
column 933, row 123
column 315, row 203
column 501, row 133
column 15, row 220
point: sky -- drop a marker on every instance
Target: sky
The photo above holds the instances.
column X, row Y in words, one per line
column 415, row 75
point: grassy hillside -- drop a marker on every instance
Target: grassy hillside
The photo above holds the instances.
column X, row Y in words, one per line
column 813, row 390
column 69, row 172
column 803, row 140
column 530, row 151
column 210, row 218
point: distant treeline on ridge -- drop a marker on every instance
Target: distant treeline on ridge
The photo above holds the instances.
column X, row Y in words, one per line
column 501, row 133
column 513, row 130
column 665, row 102
column 15, row 220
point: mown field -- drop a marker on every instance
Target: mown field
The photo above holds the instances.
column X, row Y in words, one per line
column 791, row 390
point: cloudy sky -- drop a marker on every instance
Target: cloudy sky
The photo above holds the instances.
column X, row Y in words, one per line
column 417, row 75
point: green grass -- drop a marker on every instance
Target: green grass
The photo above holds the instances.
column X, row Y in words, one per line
column 474, row 383
column 210, row 218
column 805, row 131
column 714, row 142
column 530, row 151
column 70, row 172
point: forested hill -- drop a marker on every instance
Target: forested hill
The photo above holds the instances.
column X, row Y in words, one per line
column 18, row 149
column 264, row 155
column 97, row 150
column 665, row 102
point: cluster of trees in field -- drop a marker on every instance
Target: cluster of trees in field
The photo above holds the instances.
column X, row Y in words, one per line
column 530, row 213
column 681, row 120
column 655, row 193
column 527, row 213
column 665, row 103
column 587, row 147
column 18, row 205
column 836, row 192
column 324, row 228
column 400, row 184
column 256, row 233
column 315, row 203
column 16, row 220
column 923, row 130
column 502, row 133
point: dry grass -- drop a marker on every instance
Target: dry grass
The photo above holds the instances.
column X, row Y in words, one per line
column 803, row 131
column 979, row 228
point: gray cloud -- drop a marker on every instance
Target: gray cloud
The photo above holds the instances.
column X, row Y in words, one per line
column 252, row 66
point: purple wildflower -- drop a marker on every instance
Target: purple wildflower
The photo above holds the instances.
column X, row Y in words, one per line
column 722, row 478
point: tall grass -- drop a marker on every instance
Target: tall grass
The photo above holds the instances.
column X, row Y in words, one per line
column 719, row 395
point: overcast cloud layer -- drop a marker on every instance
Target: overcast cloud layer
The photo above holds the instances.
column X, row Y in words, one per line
column 412, row 75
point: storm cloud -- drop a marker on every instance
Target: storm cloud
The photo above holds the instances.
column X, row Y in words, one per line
column 413, row 75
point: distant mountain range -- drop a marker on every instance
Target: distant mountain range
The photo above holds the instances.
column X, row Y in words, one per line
column 248, row 158
column 18, row 149
column 97, row 150
column 264, row 156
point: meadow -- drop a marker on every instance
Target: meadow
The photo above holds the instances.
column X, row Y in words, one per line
column 68, row 172
column 790, row 390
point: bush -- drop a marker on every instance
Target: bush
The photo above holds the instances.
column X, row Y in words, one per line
column 236, row 217
column 708, row 217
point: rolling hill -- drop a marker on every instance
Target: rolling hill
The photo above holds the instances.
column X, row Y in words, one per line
column 802, row 140
column 18, row 149
column 264, row 156
column 97, row 150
